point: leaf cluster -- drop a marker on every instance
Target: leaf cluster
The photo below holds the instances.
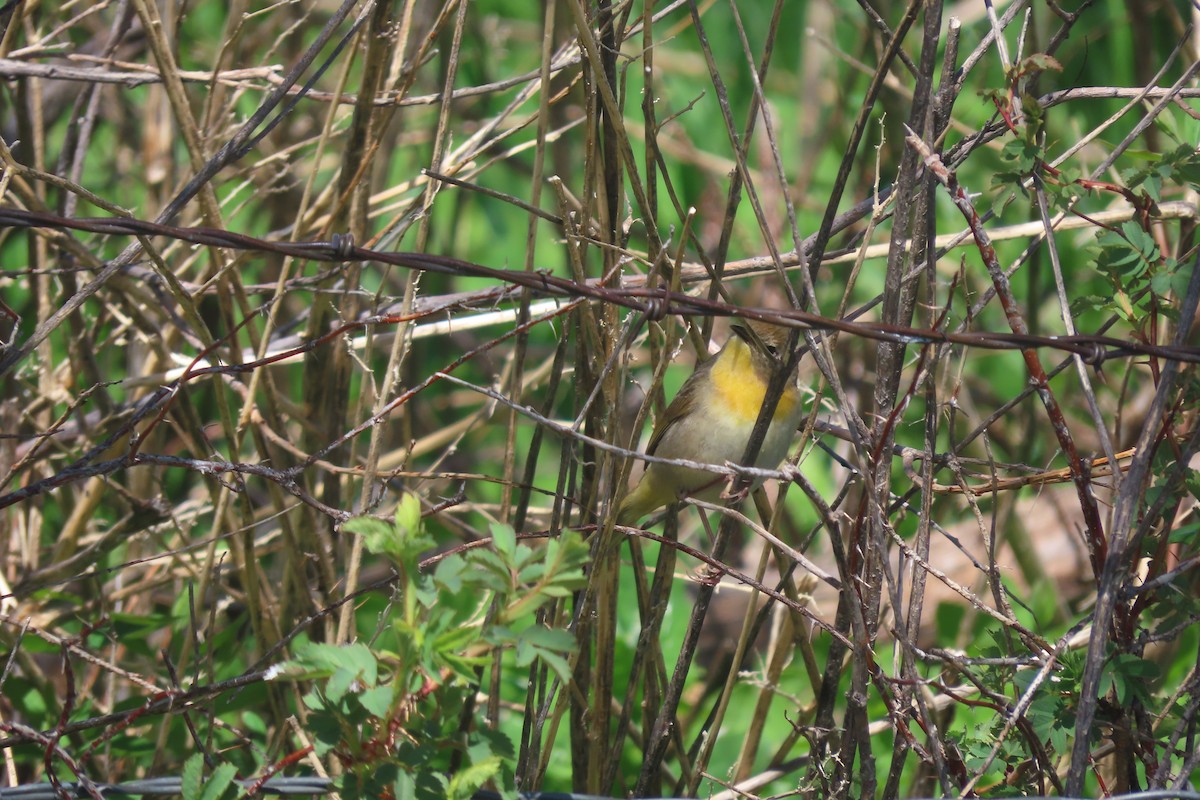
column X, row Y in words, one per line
column 393, row 715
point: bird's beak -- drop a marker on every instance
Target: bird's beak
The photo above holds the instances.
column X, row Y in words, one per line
column 743, row 332
column 752, row 339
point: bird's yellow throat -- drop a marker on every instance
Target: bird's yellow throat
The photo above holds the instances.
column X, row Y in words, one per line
column 740, row 386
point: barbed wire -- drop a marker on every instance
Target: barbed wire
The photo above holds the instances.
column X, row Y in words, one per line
column 302, row 785
column 654, row 302
column 157, row 787
column 307, row 785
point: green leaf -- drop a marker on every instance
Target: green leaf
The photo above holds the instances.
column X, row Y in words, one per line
column 504, row 539
column 357, row 658
column 548, row 644
column 450, row 573
column 1181, row 277
column 532, row 573
column 549, row 638
column 1091, row 302
column 456, row 639
column 320, row 660
column 1130, row 677
column 193, row 774
column 338, row 684
column 472, row 778
column 216, row 786
column 1001, row 198
column 502, row 636
column 378, row 536
column 490, row 742
column 323, row 728
column 463, row 666
column 1039, row 62
column 1041, row 714
column 424, row 590
column 493, row 573
column 377, row 700
column 999, row 96
column 1140, row 239
column 405, row 787
column 403, row 542
column 1160, row 283
column 1021, row 156
column 557, row 664
column 1192, row 482
column 1124, row 306
column 524, row 557
column 408, row 515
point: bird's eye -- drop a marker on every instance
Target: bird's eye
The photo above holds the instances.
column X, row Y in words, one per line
column 773, row 351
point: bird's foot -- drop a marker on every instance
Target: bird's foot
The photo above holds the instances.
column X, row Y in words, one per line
column 729, row 493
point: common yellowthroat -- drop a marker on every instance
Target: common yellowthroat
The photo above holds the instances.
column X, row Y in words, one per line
column 712, row 417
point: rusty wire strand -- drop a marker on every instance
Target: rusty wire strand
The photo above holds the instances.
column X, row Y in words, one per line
column 1095, row 350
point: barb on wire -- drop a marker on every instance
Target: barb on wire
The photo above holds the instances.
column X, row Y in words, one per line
column 1094, row 349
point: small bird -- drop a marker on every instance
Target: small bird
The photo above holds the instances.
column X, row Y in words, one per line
column 712, row 417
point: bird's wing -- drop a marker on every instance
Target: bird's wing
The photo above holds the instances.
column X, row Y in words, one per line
column 678, row 408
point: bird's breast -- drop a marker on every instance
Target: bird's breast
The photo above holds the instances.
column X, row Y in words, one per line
column 740, row 389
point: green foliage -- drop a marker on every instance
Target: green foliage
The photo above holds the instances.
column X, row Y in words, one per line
column 1173, row 607
column 1180, row 166
column 1129, row 678
column 393, row 716
column 1024, row 156
column 218, row 786
column 1139, row 275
